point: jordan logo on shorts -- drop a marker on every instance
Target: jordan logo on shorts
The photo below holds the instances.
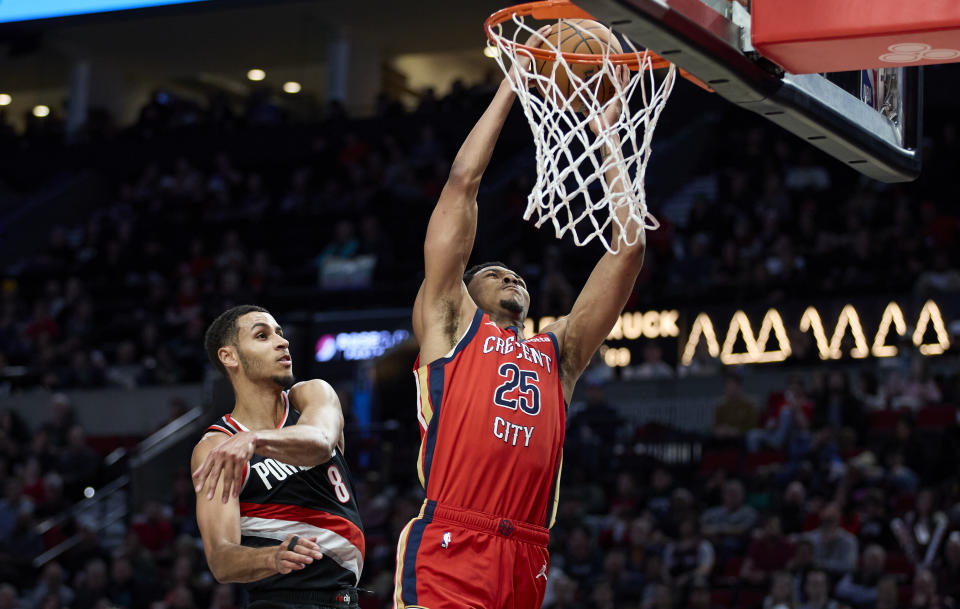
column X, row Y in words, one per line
column 543, row 572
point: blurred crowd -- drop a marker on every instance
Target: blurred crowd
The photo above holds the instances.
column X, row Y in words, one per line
column 332, row 214
column 815, row 495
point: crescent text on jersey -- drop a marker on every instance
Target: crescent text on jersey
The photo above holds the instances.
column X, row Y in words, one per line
column 510, row 344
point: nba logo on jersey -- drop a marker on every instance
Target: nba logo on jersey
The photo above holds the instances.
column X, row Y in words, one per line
column 446, row 540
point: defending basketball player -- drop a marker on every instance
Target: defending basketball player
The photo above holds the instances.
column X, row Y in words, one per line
column 492, row 405
column 275, row 503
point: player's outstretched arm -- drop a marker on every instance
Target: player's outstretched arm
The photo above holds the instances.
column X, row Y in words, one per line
column 220, row 530
column 453, row 226
column 443, row 307
column 603, row 297
column 310, row 442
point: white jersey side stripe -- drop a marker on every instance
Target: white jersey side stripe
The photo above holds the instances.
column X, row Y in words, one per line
column 333, row 546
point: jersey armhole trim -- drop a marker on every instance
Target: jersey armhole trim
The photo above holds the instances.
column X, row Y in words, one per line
column 462, row 343
column 558, row 356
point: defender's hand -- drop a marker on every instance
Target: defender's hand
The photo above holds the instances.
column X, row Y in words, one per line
column 226, row 461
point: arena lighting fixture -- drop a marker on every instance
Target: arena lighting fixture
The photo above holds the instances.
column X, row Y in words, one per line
column 291, row 86
column 756, row 352
column 491, row 51
column 256, row 74
column 930, row 314
column 41, row 111
column 772, row 342
column 892, row 315
column 5, row 99
column 702, row 326
column 811, row 321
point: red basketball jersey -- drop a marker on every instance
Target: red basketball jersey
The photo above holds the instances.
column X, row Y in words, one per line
column 492, row 420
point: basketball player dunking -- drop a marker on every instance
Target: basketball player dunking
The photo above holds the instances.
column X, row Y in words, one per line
column 492, row 405
column 275, row 503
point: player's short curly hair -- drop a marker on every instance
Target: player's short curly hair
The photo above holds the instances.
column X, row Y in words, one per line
column 224, row 331
column 471, row 272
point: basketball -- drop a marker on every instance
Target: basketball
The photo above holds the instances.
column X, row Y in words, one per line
column 579, row 36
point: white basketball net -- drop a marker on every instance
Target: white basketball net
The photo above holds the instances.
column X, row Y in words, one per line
column 614, row 210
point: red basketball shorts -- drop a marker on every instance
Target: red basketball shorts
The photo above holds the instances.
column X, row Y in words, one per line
column 449, row 558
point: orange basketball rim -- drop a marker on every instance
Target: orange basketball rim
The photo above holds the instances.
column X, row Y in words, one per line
column 546, row 10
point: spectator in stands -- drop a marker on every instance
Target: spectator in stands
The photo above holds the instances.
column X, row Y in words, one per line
column 888, row 593
column 592, row 427
column 561, row 592
column 915, row 391
column 624, row 584
column 690, row 557
column 768, row 553
column 659, row 596
column 699, row 596
column 92, row 585
column 801, row 565
column 641, row 542
column 948, row 575
column 54, row 501
column 62, row 419
column 925, row 595
column 874, row 521
column 125, row 371
column 581, row 561
column 727, row 525
column 787, row 424
column 78, row 462
column 869, row 391
column 818, row 592
column 52, row 583
column 8, row 597
column 23, row 544
column 904, row 456
column 921, row 531
column 14, row 504
column 153, row 527
column 736, row 413
column 127, row 588
column 652, row 367
column 837, row 408
column 793, row 508
column 834, row 549
column 13, row 429
column 223, row 597
column 859, row 589
column 781, row 595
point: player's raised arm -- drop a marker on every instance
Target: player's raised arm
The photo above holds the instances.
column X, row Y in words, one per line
column 453, row 225
column 603, row 297
column 443, row 308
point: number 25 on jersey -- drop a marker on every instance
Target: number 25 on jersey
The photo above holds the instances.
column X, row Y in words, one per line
column 519, row 389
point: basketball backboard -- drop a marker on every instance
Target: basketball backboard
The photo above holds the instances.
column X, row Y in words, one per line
column 711, row 39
